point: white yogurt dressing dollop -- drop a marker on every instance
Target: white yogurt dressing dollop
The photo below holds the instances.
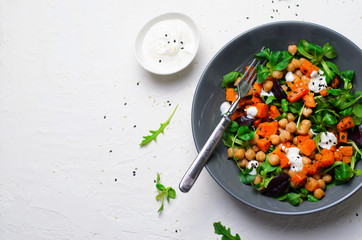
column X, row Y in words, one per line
column 169, row 44
column 251, row 112
column 317, row 81
column 289, row 77
column 252, row 164
column 265, row 93
column 295, row 159
column 327, row 140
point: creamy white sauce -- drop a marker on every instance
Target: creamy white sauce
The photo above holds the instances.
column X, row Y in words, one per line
column 327, row 140
column 317, row 82
column 289, row 77
column 224, row 107
column 169, row 44
column 253, row 164
column 295, row 159
column 265, row 93
column 251, row 112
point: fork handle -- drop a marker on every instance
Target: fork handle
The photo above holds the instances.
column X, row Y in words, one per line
column 197, row 165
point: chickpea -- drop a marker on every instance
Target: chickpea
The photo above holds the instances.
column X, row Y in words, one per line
column 306, row 160
column 291, row 173
column 255, row 148
column 305, row 80
column 306, row 122
column 231, row 152
column 303, row 130
column 274, row 139
column 318, row 193
column 302, row 60
column 283, row 122
column 257, row 180
column 256, row 138
column 284, row 136
column 292, row 49
column 273, row 159
column 317, row 176
column 277, row 74
column 285, row 88
column 297, row 63
column 240, row 153
column 307, row 112
column 291, row 67
column 237, row 81
column 243, row 163
column 250, row 154
column 260, row 156
column 279, row 146
column 298, row 73
column 285, row 170
column 327, row 178
column 291, row 127
column 268, row 85
column 290, row 117
column 321, row 184
column 295, row 141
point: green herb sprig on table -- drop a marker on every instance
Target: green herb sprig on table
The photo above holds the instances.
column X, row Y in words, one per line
column 225, row 233
column 153, row 136
column 163, row 193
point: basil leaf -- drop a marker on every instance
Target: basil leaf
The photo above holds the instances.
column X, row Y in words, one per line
column 334, row 92
column 294, row 198
column 233, row 127
column 334, row 67
column 263, row 55
column 312, row 198
column 247, row 136
column 262, row 72
column 329, row 118
column 357, row 110
column 245, row 177
column 274, row 57
column 242, row 130
column 229, row 78
column 343, row 173
column 270, row 99
column 329, row 51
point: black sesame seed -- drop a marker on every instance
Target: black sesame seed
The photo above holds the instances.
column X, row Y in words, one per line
column 247, row 17
column 168, row 41
column 297, row 5
column 134, row 126
column 104, row 117
column 296, row 14
column 165, row 35
column 357, row 214
column 330, row 140
column 271, row 17
column 110, row 151
column 115, row 179
column 138, row 83
column 182, row 42
column 174, row 41
column 159, row 60
column 182, row 48
column 288, row 6
column 125, row 103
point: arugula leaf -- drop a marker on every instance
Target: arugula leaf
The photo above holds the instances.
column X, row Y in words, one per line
column 154, row 133
column 163, row 192
column 263, row 55
column 230, row 78
column 225, row 233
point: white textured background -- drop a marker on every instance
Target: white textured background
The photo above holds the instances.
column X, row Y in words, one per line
column 74, row 105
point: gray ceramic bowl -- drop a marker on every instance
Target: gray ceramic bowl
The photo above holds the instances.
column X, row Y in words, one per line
column 209, row 95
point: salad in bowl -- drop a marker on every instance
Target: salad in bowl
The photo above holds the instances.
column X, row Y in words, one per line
column 298, row 131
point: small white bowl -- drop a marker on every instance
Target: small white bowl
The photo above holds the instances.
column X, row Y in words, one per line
column 180, row 60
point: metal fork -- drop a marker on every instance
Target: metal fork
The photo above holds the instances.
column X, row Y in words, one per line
column 197, row 165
